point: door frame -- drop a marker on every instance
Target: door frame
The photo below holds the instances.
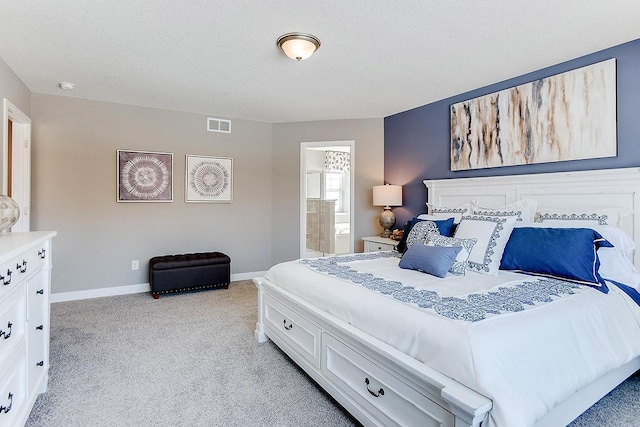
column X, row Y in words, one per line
column 303, row 188
column 20, row 161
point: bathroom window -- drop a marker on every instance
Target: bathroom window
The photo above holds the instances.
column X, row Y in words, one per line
column 334, row 189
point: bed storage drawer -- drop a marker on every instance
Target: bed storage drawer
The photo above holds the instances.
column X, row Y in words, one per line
column 394, row 402
column 298, row 332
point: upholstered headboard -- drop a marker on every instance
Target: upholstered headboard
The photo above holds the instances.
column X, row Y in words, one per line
column 585, row 190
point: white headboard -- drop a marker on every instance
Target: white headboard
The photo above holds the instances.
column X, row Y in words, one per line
column 596, row 189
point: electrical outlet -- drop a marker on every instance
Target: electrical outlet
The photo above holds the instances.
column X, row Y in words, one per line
column 135, row 264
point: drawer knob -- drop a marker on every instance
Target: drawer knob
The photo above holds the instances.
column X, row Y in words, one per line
column 42, row 253
column 6, row 334
column 285, row 325
column 4, row 278
column 6, row 409
column 40, row 291
column 40, row 363
column 40, row 327
column 373, row 393
column 22, row 268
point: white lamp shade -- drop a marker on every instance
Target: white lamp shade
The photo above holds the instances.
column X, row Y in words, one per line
column 387, row 195
column 298, row 46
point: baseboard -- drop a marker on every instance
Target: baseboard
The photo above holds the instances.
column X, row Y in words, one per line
column 128, row 289
column 246, row 276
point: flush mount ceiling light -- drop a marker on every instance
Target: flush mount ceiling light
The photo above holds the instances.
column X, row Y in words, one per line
column 298, row 46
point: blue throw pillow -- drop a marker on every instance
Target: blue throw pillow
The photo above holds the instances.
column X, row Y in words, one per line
column 562, row 253
column 434, row 260
column 445, row 227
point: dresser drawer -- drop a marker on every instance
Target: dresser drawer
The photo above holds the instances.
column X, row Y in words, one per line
column 14, row 271
column 38, row 298
column 12, row 323
column 394, row 401
column 13, row 394
column 37, row 359
column 299, row 333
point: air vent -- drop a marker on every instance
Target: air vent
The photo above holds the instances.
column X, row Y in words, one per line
column 218, row 125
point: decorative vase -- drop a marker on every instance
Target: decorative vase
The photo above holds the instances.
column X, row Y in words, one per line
column 9, row 212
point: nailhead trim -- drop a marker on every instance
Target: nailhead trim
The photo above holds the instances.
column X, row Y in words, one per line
column 193, row 288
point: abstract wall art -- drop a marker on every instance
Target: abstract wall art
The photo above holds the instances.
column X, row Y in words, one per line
column 145, row 176
column 567, row 116
column 209, row 179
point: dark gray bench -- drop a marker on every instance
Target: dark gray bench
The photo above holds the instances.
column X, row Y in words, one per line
column 188, row 272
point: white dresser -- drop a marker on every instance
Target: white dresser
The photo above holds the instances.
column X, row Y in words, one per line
column 25, row 283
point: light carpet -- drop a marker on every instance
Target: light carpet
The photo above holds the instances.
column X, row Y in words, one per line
column 191, row 360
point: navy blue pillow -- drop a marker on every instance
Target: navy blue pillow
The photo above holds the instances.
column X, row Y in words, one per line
column 445, row 227
column 562, row 253
column 434, row 260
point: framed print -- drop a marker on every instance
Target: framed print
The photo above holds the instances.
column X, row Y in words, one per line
column 145, row 176
column 567, row 116
column 209, row 179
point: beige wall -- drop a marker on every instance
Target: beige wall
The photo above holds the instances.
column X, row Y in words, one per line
column 368, row 135
column 74, row 191
column 74, row 186
column 12, row 88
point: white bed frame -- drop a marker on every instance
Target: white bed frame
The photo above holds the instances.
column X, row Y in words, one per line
column 399, row 390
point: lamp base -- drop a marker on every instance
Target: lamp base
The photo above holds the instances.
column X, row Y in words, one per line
column 387, row 219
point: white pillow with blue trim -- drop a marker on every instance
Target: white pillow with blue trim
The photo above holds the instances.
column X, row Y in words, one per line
column 524, row 209
column 492, row 233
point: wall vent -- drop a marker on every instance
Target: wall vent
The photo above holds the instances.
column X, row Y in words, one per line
column 218, row 125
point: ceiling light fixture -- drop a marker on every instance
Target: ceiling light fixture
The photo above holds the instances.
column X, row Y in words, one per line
column 298, row 46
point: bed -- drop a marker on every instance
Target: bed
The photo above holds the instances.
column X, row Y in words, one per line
column 400, row 347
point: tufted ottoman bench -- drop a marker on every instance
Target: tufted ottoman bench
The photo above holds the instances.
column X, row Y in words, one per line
column 174, row 273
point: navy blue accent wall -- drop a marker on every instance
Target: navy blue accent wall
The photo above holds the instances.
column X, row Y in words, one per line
column 416, row 142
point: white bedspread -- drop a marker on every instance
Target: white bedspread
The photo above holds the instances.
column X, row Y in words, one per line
column 527, row 362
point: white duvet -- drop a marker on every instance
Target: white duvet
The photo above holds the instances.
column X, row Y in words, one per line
column 527, row 362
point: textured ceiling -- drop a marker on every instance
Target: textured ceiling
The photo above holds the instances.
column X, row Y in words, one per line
column 220, row 57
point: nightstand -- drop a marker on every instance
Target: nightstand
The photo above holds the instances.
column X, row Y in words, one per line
column 377, row 243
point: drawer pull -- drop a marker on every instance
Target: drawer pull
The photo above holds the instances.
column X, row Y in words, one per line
column 40, row 363
column 6, row 333
column 287, row 327
column 22, row 268
column 40, row 327
column 41, row 253
column 3, row 278
column 373, row 393
column 6, row 409
column 40, row 291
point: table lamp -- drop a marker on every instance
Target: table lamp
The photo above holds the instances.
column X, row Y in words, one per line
column 387, row 196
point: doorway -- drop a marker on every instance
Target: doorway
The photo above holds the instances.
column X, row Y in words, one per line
column 16, row 161
column 326, row 195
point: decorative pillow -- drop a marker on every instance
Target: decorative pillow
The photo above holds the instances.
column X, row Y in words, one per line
column 582, row 217
column 443, row 226
column 524, row 210
column 614, row 266
column 419, row 232
column 459, row 266
column 616, row 236
column 492, row 234
column 429, row 259
column 561, row 253
column 448, row 212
